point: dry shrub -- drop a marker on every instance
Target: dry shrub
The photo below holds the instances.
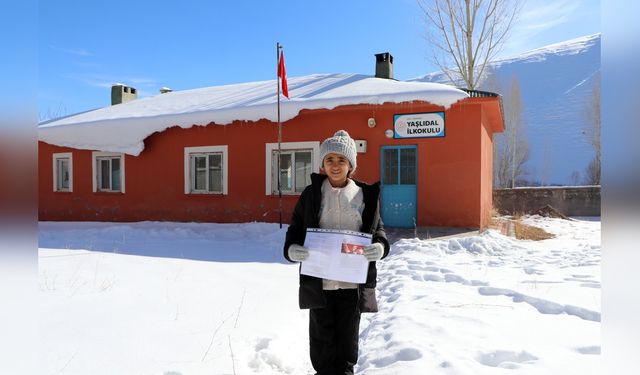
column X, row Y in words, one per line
column 549, row 211
column 514, row 227
column 494, row 220
column 529, row 232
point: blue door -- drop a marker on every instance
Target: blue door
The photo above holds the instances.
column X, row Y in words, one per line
column 398, row 183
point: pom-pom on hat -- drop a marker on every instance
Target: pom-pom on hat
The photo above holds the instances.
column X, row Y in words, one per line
column 341, row 143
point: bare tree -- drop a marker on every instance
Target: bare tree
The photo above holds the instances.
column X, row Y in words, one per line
column 592, row 172
column 592, row 132
column 467, row 34
column 500, row 166
column 51, row 114
column 511, row 149
column 575, row 178
column 492, row 81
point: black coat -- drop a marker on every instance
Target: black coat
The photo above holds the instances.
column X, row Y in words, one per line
column 307, row 215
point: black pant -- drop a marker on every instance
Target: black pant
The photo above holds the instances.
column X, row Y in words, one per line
column 334, row 333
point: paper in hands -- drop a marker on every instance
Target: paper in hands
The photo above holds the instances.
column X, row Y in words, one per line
column 336, row 255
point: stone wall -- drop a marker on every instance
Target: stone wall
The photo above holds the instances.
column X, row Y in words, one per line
column 571, row 201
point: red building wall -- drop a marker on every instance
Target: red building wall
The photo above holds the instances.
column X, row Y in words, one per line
column 486, row 173
column 451, row 176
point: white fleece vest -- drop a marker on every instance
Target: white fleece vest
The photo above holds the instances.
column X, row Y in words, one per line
column 341, row 208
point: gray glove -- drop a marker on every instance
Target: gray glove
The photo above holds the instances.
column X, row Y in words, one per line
column 374, row 251
column 298, row 253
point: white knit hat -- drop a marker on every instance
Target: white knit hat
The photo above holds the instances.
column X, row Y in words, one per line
column 341, row 143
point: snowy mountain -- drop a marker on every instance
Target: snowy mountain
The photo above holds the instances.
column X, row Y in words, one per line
column 556, row 82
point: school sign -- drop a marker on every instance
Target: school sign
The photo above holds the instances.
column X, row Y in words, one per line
column 418, row 125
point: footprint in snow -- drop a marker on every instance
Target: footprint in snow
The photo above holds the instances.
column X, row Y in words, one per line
column 407, row 354
column 393, row 297
column 267, row 358
column 589, row 349
column 389, row 288
column 453, row 278
column 543, row 306
column 506, row 359
column 590, row 285
column 432, row 277
column 532, row 271
column 479, row 283
column 582, row 276
column 262, row 344
column 582, row 280
column 404, row 272
column 427, row 266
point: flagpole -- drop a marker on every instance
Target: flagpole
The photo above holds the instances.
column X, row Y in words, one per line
column 278, row 47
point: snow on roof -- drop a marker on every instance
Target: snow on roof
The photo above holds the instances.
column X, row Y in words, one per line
column 123, row 127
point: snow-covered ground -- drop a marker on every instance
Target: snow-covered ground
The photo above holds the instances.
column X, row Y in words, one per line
column 187, row 298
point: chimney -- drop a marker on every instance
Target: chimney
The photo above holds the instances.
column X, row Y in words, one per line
column 121, row 93
column 164, row 90
column 384, row 65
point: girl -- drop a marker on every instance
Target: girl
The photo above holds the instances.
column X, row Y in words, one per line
column 335, row 201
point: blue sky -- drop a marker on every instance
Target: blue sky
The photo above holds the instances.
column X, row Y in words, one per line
column 85, row 46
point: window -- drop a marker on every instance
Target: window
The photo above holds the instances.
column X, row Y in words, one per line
column 390, row 174
column 205, row 170
column 297, row 161
column 108, row 172
column 63, row 172
column 295, row 170
column 407, row 166
column 399, row 165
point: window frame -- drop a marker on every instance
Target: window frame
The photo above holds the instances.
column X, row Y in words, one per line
column 95, row 156
column 399, row 168
column 56, row 157
column 206, row 150
column 313, row 146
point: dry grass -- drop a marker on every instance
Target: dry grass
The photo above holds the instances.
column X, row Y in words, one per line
column 514, row 227
column 529, row 232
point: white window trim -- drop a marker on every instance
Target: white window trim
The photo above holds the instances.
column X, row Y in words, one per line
column 62, row 155
column 97, row 154
column 224, row 149
column 286, row 146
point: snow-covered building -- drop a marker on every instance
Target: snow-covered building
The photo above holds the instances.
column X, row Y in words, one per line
column 210, row 154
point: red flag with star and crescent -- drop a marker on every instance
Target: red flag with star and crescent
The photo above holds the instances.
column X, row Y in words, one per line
column 282, row 74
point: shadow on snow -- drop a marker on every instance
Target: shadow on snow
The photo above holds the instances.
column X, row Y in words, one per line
column 249, row 242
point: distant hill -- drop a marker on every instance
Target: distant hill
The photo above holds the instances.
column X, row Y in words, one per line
column 556, row 83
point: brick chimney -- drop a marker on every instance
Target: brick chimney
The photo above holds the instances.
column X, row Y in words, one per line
column 121, row 93
column 384, row 65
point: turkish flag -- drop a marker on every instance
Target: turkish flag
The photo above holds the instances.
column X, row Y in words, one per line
column 282, row 73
